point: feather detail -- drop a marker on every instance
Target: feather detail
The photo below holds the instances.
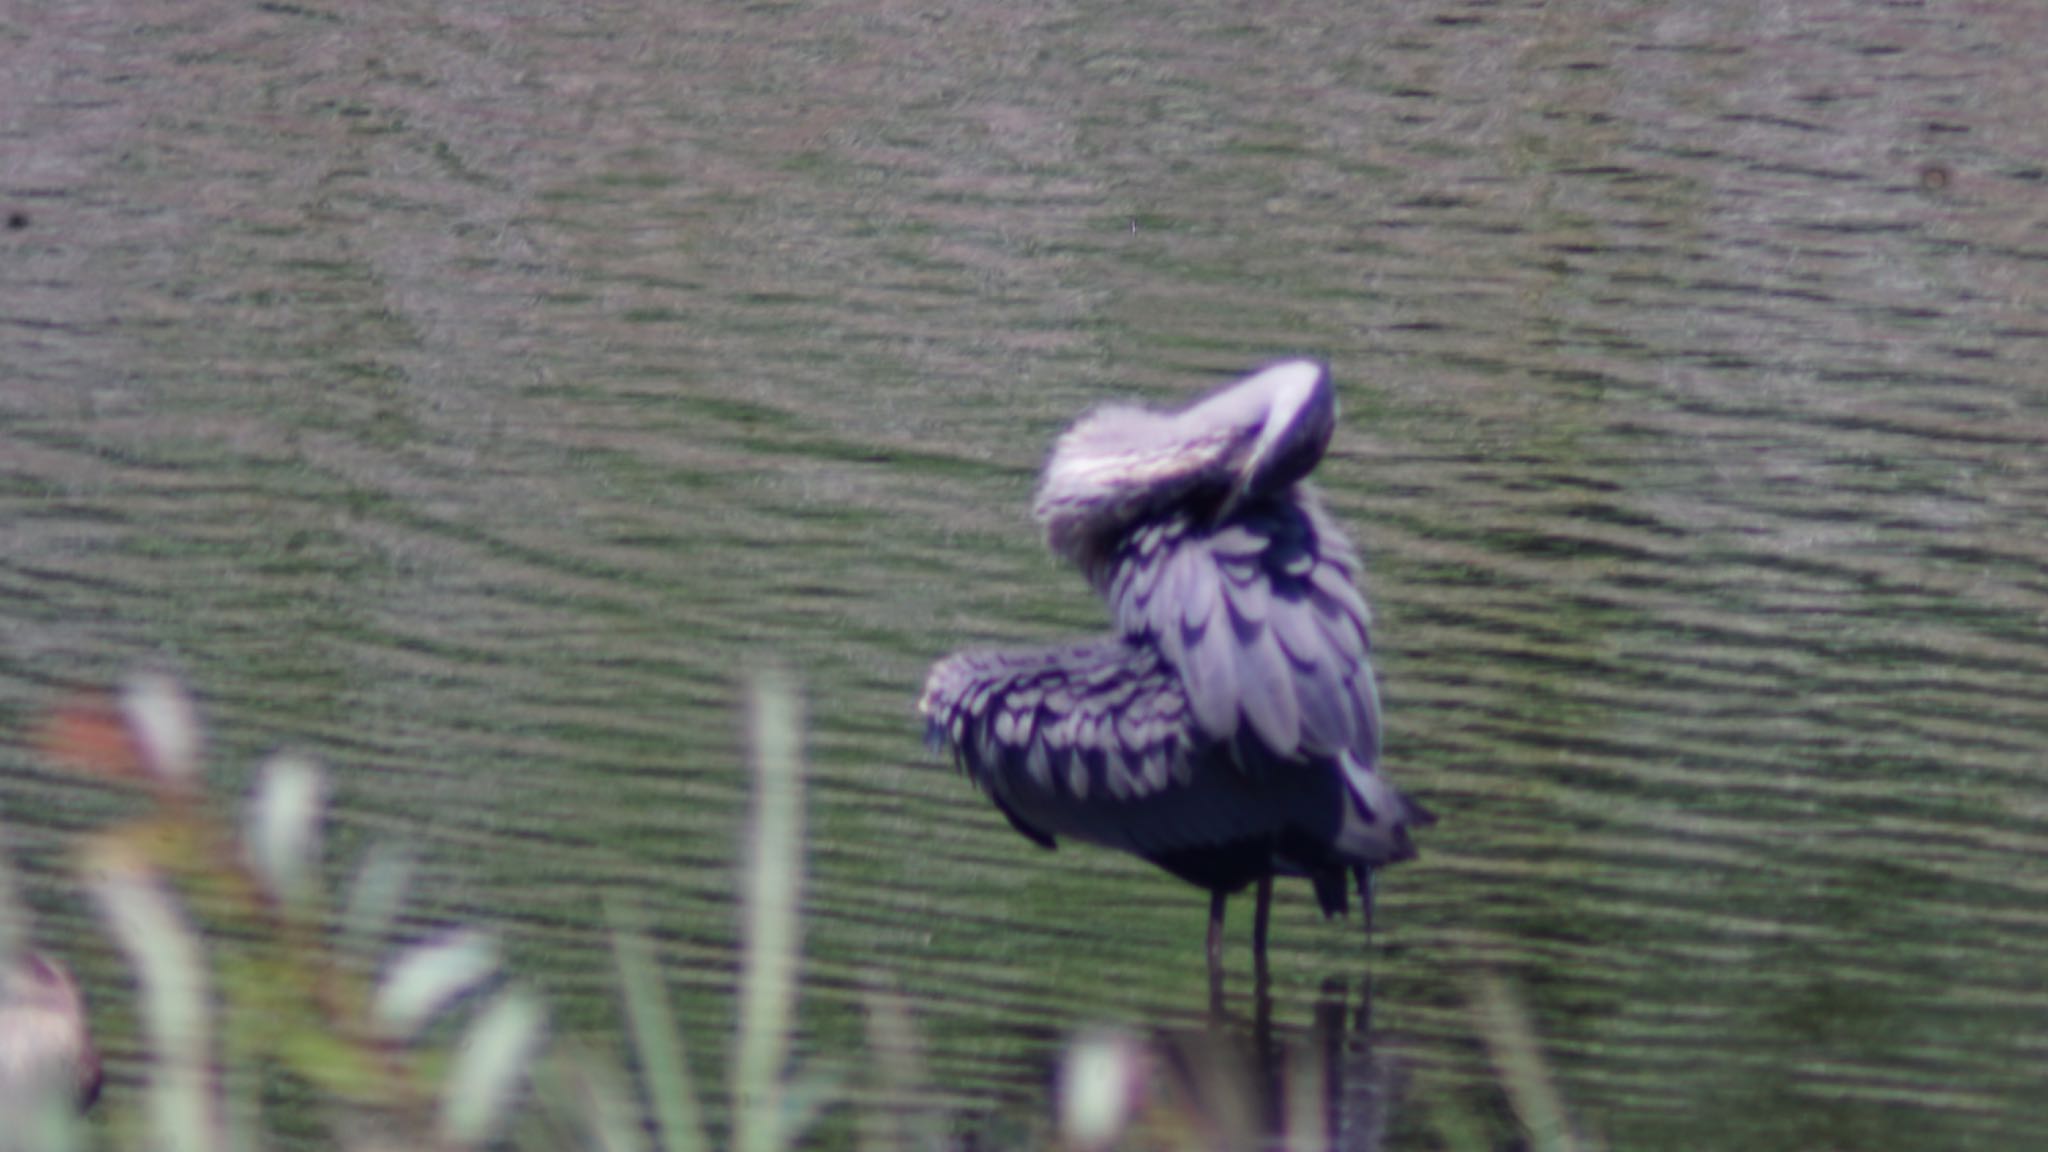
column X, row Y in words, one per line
column 1229, row 727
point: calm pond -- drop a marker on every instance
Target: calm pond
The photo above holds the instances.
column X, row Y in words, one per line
column 467, row 392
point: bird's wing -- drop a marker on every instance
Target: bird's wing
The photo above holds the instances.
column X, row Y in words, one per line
column 1102, row 717
column 1262, row 621
column 1097, row 742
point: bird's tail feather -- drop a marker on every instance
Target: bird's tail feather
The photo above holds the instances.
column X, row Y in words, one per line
column 1376, row 824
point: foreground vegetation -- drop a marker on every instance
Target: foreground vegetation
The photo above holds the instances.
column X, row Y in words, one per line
column 244, row 967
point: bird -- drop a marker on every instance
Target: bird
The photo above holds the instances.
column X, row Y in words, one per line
column 1227, row 728
column 44, row 1046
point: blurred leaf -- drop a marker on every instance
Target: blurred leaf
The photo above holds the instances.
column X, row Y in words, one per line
column 170, row 966
column 282, row 835
column 165, row 724
column 428, row 978
column 497, row 1051
column 374, row 899
column 46, row 1060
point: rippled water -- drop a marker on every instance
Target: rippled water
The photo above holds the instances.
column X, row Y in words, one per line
column 464, row 392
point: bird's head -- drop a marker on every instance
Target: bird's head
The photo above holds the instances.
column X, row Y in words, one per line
column 1122, row 465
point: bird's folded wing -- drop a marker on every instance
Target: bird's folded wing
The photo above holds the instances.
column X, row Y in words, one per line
column 1096, row 742
column 1101, row 718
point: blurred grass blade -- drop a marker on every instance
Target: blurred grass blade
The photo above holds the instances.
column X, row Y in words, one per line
column 14, row 921
column 1458, row 1128
column 897, row 1120
column 1517, row 1056
column 806, row 1095
column 497, row 1050
column 768, row 929
column 51, row 1125
column 282, row 834
column 427, row 979
column 171, row 970
column 1217, row 1087
column 584, row 1084
column 246, row 1021
column 657, row 1039
column 374, row 898
column 1308, row 1096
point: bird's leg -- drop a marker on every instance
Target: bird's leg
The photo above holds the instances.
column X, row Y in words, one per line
column 1263, row 918
column 1365, row 891
column 1216, row 899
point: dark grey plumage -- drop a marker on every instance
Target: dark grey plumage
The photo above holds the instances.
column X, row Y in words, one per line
column 1228, row 730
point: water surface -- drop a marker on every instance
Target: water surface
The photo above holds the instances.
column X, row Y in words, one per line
column 464, row 393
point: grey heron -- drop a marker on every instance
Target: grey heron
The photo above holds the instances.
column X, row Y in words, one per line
column 1228, row 728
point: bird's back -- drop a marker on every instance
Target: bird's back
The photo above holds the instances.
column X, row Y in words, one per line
column 1260, row 620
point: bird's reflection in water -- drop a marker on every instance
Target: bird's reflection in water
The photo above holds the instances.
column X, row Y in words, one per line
column 1247, row 1084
